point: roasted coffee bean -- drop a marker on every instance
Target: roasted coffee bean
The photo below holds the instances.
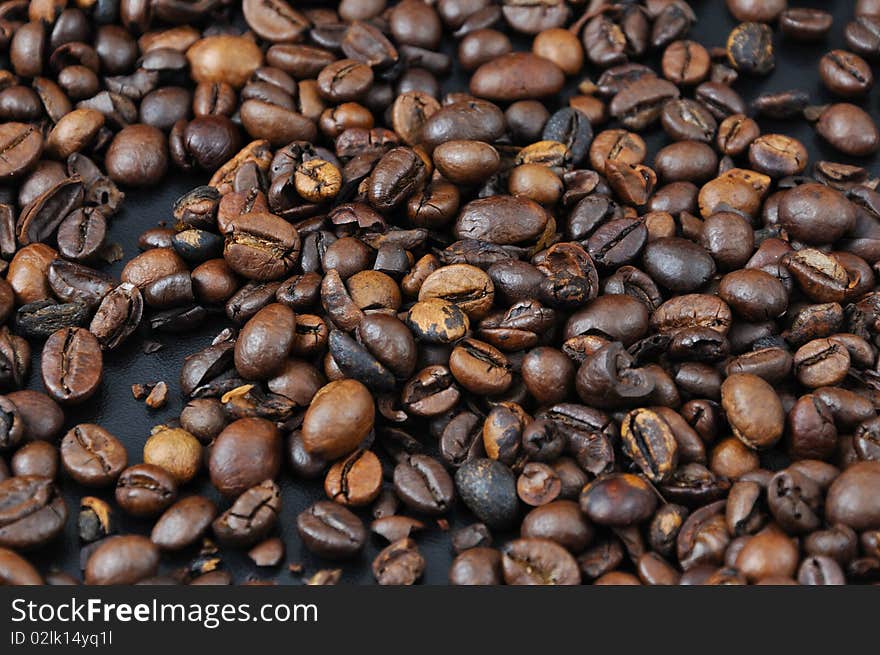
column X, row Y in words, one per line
column 803, row 24
column 183, row 523
column 758, row 424
column 32, row 512
column 488, row 489
column 678, row 264
column 400, row 563
column 466, row 162
column 41, row 417
column 356, row 480
column 339, row 418
column 640, row 103
column 650, row 443
column 22, row 145
column 685, row 119
column 253, row 514
column 861, row 35
column 538, row 484
column 781, row 105
column 851, row 499
column 619, row 499
column 145, row 490
column 516, row 76
column 477, row 565
column 16, row 570
column 331, row 531
column 685, row 62
column 750, row 48
column 423, row 484
column 794, row 500
column 72, row 365
column 122, row 560
column 533, row 561
column 261, row 246
column 244, row 454
column 118, row 316
column 845, row 74
column 137, row 156
column 92, row 456
column 849, row 129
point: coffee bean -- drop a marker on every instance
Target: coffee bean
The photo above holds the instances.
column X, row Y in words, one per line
column 648, row 441
column 466, row 162
column 331, row 531
column 183, row 523
column 244, row 454
column 476, row 566
column 22, row 145
column 400, row 563
column 640, row 103
column 488, row 489
column 685, row 62
column 261, row 246
column 145, row 490
column 122, row 560
column 356, row 480
column 32, row 512
column 849, row 129
column 851, row 499
column 678, row 264
column 423, row 484
column 845, row 74
column 72, row 365
column 253, row 514
column 41, row 416
column 618, row 499
column 805, row 24
column 516, row 76
column 533, row 561
column 750, row 48
column 794, row 500
column 92, row 456
column 137, row 156
column 16, row 570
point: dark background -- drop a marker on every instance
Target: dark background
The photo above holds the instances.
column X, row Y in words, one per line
column 116, row 410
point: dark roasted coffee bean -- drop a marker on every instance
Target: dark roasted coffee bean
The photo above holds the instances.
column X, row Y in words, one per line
column 750, row 48
column 650, row 443
column 16, row 570
column 71, row 365
column 478, row 565
column 253, row 514
column 805, row 24
column 92, row 456
column 619, row 499
column 32, row 512
column 531, row 561
column 423, row 484
column 640, row 103
column 122, row 560
column 849, row 129
column 678, row 264
column 845, row 74
column 400, row 563
column 183, row 523
column 488, row 489
column 145, row 490
column 331, row 531
column 244, row 454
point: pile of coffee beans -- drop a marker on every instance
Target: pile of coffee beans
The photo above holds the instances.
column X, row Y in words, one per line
column 490, row 311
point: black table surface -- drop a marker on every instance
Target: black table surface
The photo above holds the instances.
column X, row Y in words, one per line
column 115, row 409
